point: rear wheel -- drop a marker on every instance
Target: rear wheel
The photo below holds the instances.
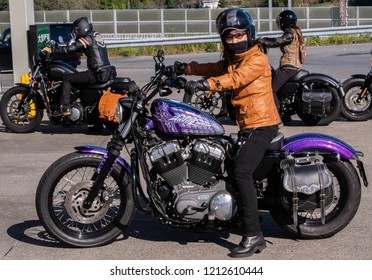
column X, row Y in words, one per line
column 346, row 190
column 17, row 115
column 62, row 191
column 353, row 108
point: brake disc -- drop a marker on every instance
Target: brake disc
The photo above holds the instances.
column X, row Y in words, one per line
column 74, row 204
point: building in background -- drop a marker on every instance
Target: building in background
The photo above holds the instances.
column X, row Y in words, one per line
column 213, row 4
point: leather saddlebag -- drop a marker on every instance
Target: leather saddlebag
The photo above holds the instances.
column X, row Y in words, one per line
column 107, row 104
column 316, row 102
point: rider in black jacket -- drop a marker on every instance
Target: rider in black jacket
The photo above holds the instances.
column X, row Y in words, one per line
column 99, row 69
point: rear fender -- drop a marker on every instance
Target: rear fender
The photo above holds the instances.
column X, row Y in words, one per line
column 325, row 79
column 321, row 142
column 104, row 152
column 359, row 76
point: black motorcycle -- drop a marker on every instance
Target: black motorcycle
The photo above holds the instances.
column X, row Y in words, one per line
column 179, row 172
column 314, row 97
column 357, row 102
column 22, row 106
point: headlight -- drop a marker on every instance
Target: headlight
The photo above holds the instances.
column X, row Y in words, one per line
column 119, row 112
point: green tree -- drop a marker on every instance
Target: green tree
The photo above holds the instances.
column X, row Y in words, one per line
column 222, row 3
column 4, row 5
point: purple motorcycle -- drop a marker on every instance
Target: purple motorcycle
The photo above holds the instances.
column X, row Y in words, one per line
column 178, row 171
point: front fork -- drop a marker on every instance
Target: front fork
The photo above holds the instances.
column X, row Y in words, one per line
column 114, row 148
column 104, row 169
column 367, row 83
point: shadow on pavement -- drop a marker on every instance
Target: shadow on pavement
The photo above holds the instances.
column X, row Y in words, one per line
column 48, row 128
column 146, row 227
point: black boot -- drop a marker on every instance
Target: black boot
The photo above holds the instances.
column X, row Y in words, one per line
column 65, row 110
column 248, row 246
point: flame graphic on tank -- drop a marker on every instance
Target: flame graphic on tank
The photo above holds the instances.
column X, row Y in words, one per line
column 176, row 118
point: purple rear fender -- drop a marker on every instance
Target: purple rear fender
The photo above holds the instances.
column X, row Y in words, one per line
column 104, row 152
column 306, row 141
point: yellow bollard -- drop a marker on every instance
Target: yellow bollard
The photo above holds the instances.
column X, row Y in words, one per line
column 25, row 79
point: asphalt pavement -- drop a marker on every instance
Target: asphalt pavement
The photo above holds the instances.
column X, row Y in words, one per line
column 24, row 158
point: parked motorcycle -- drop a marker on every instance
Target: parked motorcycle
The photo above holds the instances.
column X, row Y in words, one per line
column 314, row 97
column 22, row 106
column 179, row 173
column 357, row 102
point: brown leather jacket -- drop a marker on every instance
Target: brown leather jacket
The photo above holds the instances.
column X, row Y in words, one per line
column 289, row 44
column 248, row 75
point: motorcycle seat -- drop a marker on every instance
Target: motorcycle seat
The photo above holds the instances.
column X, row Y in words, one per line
column 120, row 84
column 275, row 144
column 299, row 75
column 115, row 83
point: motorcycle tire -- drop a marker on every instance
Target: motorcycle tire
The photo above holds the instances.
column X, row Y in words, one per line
column 215, row 105
column 62, row 190
column 351, row 109
column 27, row 119
column 321, row 120
column 338, row 214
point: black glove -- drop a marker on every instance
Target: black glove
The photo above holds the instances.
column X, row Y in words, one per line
column 179, row 68
column 261, row 41
column 194, row 86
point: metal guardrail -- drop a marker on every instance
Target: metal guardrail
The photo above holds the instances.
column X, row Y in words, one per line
column 322, row 32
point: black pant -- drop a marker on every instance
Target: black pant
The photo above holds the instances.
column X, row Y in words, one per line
column 249, row 153
column 86, row 77
column 283, row 74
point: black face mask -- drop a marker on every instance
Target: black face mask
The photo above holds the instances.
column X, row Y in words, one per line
column 238, row 47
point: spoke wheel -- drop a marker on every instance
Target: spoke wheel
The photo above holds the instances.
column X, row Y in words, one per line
column 345, row 194
column 20, row 116
column 60, row 198
column 213, row 104
column 353, row 107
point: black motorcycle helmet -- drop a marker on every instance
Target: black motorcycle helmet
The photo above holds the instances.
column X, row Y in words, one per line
column 236, row 19
column 80, row 27
column 286, row 19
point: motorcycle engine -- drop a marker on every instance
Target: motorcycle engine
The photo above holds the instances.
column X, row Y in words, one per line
column 190, row 187
column 77, row 112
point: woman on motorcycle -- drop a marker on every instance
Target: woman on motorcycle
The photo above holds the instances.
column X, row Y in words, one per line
column 99, row 69
column 289, row 44
column 245, row 70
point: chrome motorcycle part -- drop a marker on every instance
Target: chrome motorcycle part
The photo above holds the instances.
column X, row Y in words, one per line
column 77, row 112
column 222, row 206
column 74, row 204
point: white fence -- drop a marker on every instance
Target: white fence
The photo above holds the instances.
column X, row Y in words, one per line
column 176, row 22
column 126, row 41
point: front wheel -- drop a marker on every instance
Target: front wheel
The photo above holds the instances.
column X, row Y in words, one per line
column 212, row 103
column 20, row 115
column 62, row 191
column 354, row 108
column 324, row 119
column 346, row 190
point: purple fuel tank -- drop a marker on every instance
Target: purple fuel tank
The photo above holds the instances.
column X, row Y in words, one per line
column 175, row 118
